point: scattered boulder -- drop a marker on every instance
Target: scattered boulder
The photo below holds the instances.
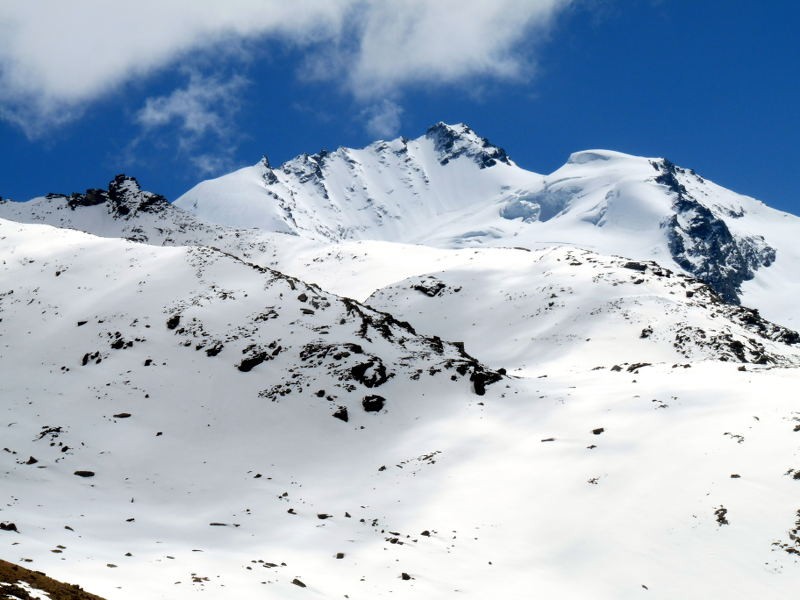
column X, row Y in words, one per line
column 635, row 266
column 84, row 473
column 480, row 379
column 341, row 414
column 373, row 403
column 250, row 362
column 371, row 373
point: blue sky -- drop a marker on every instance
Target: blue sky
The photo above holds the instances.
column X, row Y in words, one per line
column 712, row 85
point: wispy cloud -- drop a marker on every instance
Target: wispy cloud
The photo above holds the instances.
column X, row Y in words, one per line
column 383, row 119
column 197, row 116
column 375, row 47
column 202, row 107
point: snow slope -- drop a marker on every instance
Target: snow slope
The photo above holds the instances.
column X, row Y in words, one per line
column 463, row 379
column 546, row 309
column 143, row 459
column 450, row 188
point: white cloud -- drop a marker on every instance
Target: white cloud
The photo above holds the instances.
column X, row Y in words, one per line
column 444, row 41
column 57, row 56
column 212, row 164
column 383, row 119
column 197, row 116
column 202, row 107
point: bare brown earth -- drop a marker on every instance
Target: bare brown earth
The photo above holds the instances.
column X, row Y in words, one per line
column 13, row 574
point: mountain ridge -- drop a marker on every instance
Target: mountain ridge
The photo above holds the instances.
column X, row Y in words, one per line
column 451, row 188
column 505, row 382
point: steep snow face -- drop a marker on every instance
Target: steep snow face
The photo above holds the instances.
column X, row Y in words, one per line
column 388, row 190
column 174, row 426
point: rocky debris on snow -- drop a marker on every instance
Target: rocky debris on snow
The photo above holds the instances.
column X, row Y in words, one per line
column 793, row 545
column 702, row 244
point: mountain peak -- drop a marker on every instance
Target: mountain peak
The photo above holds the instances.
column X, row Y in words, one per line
column 454, row 141
column 124, row 197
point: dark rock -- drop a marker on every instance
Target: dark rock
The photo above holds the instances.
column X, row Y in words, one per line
column 250, row 362
column 215, row 349
column 173, row 321
column 298, row 583
column 7, row 526
column 122, row 415
column 481, row 378
column 701, row 243
column 430, row 287
column 598, row 431
column 452, row 142
column 371, row 373
column 341, row 414
column 635, row 265
column 84, row 473
column 405, row 576
column 373, row 403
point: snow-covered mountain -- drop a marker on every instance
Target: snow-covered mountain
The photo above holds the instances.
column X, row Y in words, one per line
column 567, row 306
column 178, row 422
column 428, row 373
column 451, row 188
